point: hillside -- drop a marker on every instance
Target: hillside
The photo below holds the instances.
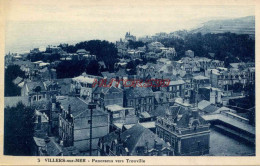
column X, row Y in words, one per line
column 244, row 25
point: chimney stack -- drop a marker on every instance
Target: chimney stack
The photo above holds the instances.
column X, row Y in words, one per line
column 195, row 114
column 69, row 110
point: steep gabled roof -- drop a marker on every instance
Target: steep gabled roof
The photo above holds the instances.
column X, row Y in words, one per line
column 139, row 136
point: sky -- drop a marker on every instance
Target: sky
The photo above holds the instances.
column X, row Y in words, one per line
column 34, row 23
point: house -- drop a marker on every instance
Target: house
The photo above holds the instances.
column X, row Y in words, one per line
column 46, row 147
column 141, row 99
column 40, row 90
column 104, row 96
column 82, row 52
column 189, row 53
column 154, row 46
column 82, row 86
column 176, row 87
column 136, row 141
column 36, row 90
column 75, row 120
column 118, row 113
column 41, row 124
column 186, row 131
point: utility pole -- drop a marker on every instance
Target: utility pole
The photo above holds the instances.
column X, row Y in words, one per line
column 91, row 106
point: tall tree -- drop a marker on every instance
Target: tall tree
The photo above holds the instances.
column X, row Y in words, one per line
column 18, row 130
column 11, row 72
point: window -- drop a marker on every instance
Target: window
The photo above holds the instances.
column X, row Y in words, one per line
column 40, row 97
column 150, row 100
column 131, row 103
column 178, row 87
column 170, row 88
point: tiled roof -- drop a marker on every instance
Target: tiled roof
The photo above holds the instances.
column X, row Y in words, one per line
column 17, row 80
column 160, row 110
column 138, row 136
column 210, row 109
column 114, row 107
column 78, row 105
column 203, row 103
column 32, row 85
column 138, row 92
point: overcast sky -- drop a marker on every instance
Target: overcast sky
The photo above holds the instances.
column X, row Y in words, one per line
column 38, row 23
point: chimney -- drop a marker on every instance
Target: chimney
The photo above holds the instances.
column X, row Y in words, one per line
column 69, row 110
column 195, row 114
column 47, row 139
column 155, row 143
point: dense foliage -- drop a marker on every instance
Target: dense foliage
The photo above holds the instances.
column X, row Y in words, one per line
column 18, row 129
column 135, row 44
column 11, row 73
column 104, row 50
column 69, row 69
column 43, row 57
column 228, row 47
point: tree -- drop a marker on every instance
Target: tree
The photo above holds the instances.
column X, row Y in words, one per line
column 93, row 68
column 104, row 50
column 12, row 72
column 18, row 130
column 70, row 69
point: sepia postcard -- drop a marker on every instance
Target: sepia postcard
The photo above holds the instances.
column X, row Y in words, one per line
column 132, row 82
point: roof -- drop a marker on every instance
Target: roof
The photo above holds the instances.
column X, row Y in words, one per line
column 174, row 111
column 231, row 121
column 200, row 77
column 39, row 141
column 203, row 103
column 17, row 80
column 52, row 148
column 78, row 106
column 106, row 90
column 145, row 114
column 177, row 82
column 159, row 110
column 148, row 125
column 32, row 85
column 81, row 51
column 84, row 79
column 44, row 117
column 138, row 92
column 185, row 119
column 139, row 136
column 210, row 108
column 14, row 100
column 64, row 85
column 114, row 107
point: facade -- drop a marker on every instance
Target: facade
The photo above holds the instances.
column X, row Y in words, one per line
column 104, row 96
column 186, row 131
column 39, row 90
column 189, row 53
column 141, row 99
column 82, row 86
column 74, row 123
